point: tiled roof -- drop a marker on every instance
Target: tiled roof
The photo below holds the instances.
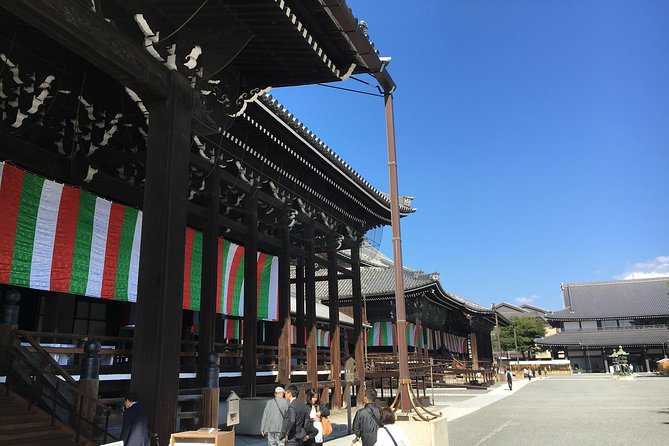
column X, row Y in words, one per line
column 627, row 299
column 609, row 338
column 317, row 144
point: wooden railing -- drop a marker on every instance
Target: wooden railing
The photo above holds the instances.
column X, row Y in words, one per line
column 55, row 391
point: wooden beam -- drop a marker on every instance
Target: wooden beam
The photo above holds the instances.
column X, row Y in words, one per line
column 157, row 339
column 284, row 306
column 75, row 26
column 250, row 296
column 335, row 348
column 310, row 302
column 208, row 290
column 358, row 334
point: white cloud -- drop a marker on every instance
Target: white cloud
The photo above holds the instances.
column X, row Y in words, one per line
column 657, row 267
column 526, row 300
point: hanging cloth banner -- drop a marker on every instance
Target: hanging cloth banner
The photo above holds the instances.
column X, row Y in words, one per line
column 382, row 335
column 456, row 343
column 233, row 329
column 322, row 338
column 60, row 238
column 230, row 282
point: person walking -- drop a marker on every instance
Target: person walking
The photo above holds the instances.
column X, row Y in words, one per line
column 509, row 379
column 295, row 429
column 390, row 434
column 272, row 418
column 315, row 410
column 367, row 420
column 135, row 429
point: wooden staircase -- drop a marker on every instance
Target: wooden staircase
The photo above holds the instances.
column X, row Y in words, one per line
column 22, row 426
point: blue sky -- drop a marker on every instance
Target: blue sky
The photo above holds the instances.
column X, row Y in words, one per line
column 533, row 134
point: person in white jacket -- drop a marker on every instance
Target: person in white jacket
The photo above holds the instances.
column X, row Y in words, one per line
column 390, row 434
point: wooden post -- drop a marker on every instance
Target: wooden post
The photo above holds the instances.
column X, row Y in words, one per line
column 211, row 392
column 335, row 339
column 310, row 294
column 251, row 297
column 284, row 307
column 475, row 350
column 157, row 339
column 209, row 275
column 358, row 334
column 299, row 304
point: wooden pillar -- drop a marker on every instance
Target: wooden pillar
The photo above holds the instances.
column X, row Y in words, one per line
column 284, row 306
column 299, row 304
column 335, row 338
column 475, row 350
column 358, row 333
column 209, row 275
column 157, row 339
column 250, row 297
column 310, row 304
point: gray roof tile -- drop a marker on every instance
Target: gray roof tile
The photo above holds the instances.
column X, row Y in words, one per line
column 609, row 338
column 627, row 299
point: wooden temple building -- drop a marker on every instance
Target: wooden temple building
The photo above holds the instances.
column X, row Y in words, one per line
column 156, row 199
column 453, row 332
column 142, row 126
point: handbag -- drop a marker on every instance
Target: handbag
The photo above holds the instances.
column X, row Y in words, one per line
column 326, row 426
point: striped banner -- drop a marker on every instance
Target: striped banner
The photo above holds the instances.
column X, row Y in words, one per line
column 233, row 329
column 60, row 238
column 230, row 282
column 322, row 337
column 455, row 343
column 382, row 335
column 413, row 334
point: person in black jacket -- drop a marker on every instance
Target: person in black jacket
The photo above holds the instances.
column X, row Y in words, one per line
column 314, row 410
column 367, row 420
column 296, row 428
column 135, row 430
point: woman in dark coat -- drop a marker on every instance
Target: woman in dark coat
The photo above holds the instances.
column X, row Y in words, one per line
column 314, row 411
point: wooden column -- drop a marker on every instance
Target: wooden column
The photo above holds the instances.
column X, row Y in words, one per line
column 358, row 333
column 284, row 306
column 335, row 338
column 475, row 350
column 250, row 297
column 157, row 340
column 209, row 275
column 299, row 304
column 310, row 295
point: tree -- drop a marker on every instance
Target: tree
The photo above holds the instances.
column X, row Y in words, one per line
column 527, row 329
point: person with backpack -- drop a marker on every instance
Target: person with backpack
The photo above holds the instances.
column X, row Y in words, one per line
column 367, row 420
column 390, row 434
column 272, row 418
column 509, row 379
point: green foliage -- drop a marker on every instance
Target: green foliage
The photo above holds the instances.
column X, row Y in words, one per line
column 527, row 329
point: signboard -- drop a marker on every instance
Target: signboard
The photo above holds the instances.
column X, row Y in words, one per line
column 349, row 370
column 233, row 409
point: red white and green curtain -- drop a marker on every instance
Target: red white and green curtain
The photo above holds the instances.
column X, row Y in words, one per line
column 60, row 238
column 381, row 334
column 455, row 343
column 230, row 278
column 413, row 335
column 322, row 337
column 233, row 329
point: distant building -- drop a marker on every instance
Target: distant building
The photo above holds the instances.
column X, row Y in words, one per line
column 599, row 317
column 510, row 311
